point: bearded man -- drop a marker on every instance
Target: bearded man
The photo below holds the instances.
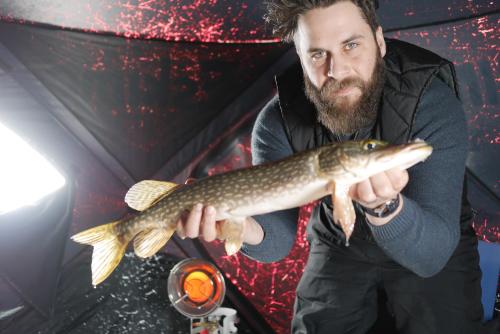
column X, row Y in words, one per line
column 413, row 238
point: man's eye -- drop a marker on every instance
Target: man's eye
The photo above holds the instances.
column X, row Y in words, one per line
column 317, row 56
column 351, row 45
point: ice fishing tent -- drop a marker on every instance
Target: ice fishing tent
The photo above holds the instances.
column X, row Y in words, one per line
column 113, row 92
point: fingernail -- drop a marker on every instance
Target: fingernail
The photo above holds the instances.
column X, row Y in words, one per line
column 210, row 211
column 198, row 207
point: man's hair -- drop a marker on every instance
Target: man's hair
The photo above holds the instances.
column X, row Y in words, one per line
column 283, row 15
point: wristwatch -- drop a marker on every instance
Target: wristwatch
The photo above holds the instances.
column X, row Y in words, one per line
column 383, row 210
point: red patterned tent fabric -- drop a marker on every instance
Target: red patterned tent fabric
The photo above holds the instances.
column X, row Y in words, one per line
column 119, row 91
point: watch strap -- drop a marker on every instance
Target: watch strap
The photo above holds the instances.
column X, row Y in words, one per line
column 384, row 210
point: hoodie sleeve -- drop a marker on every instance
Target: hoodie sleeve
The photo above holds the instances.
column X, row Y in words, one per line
column 423, row 236
column 269, row 143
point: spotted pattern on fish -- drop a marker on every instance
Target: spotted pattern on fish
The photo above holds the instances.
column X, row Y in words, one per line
column 290, row 182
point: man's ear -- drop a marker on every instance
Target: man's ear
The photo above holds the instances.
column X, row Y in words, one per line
column 379, row 37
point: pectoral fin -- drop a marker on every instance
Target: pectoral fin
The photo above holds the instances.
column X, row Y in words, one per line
column 231, row 231
column 146, row 193
column 343, row 209
column 147, row 243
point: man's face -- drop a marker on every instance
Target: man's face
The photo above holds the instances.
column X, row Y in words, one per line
column 343, row 66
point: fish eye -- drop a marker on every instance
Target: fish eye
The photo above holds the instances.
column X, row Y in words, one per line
column 370, row 145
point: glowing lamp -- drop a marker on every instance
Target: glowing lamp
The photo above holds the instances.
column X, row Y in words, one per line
column 25, row 175
column 196, row 287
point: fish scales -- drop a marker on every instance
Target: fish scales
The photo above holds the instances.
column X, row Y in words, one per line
column 245, row 187
column 236, row 195
column 274, row 184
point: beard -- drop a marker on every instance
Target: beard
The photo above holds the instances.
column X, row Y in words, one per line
column 340, row 115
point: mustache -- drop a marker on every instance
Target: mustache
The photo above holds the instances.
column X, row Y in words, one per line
column 333, row 86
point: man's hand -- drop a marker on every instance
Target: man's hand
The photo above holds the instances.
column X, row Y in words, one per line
column 200, row 222
column 379, row 189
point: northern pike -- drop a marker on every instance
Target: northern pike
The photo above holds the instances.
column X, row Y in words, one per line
column 236, row 195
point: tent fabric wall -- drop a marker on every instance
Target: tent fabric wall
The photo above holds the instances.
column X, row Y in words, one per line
column 134, row 89
column 142, row 100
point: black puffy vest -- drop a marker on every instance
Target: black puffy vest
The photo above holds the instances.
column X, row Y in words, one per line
column 409, row 70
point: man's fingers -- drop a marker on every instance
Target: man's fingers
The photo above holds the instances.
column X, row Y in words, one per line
column 353, row 191
column 207, row 228
column 180, row 229
column 192, row 226
column 379, row 188
column 382, row 186
column 365, row 192
column 399, row 178
column 198, row 222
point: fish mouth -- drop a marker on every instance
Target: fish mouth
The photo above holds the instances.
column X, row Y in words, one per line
column 420, row 148
column 406, row 155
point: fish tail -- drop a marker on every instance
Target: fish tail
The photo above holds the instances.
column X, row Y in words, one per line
column 109, row 248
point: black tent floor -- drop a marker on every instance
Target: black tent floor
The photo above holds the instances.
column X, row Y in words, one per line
column 133, row 299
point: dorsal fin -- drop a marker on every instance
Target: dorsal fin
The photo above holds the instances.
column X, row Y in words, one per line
column 146, row 193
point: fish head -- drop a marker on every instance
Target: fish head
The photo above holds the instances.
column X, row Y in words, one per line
column 354, row 161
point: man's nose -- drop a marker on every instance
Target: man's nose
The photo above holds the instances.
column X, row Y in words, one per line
column 338, row 68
